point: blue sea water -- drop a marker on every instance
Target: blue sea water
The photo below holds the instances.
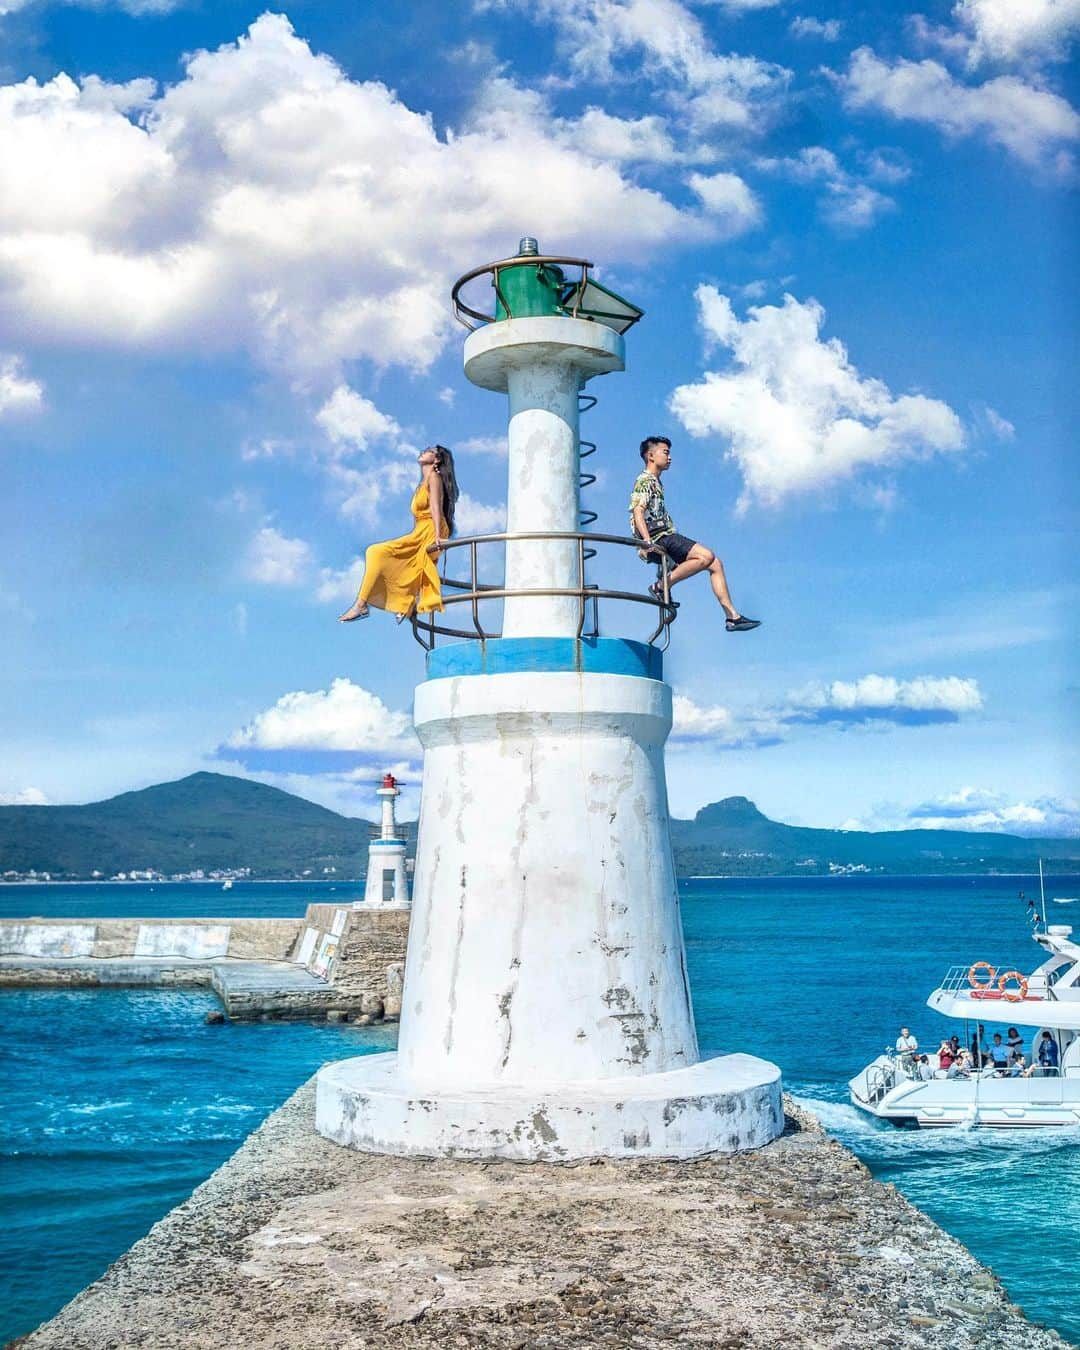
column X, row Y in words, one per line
column 118, row 1102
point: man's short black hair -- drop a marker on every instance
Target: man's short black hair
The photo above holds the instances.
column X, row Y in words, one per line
column 653, row 440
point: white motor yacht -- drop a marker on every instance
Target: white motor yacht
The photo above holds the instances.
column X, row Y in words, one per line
column 894, row 1086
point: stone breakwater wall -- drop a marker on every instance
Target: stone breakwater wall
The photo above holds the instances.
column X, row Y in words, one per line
column 190, row 939
column 371, row 956
column 335, row 962
column 296, row 1242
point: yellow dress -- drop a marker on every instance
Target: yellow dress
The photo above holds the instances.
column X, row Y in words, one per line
column 401, row 571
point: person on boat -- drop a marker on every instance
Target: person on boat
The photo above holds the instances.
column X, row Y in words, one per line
column 402, row 575
column 1048, row 1052
column 999, row 1053
column 946, row 1055
column 1015, row 1042
column 979, row 1052
column 906, row 1046
column 962, row 1065
column 923, row 1069
column 651, row 523
column 1018, row 1067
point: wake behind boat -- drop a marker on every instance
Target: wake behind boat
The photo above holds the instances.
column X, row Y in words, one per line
column 1014, row 1092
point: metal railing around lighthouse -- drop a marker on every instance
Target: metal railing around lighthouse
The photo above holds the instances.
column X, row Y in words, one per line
column 474, row 592
column 574, row 298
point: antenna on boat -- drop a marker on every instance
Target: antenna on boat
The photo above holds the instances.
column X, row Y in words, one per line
column 1042, row 894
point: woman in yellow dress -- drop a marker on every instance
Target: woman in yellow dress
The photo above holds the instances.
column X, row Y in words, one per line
column 402, row 575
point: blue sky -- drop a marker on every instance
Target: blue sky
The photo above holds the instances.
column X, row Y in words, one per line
column 226, row 243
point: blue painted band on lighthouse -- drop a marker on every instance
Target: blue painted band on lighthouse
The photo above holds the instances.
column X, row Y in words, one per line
column 513, row 656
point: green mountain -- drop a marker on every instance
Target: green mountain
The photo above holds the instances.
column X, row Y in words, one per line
column 732, row 837
column 213, row 822
column 208, row 821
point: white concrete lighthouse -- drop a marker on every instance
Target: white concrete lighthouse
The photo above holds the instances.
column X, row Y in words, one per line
column 387, row 885
column 546, row 1011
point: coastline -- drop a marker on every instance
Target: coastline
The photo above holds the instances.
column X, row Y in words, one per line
column 715, row 876
column 296, row 1241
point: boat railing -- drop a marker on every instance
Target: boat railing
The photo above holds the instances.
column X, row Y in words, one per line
column 880, row 1079
column 958, row 980
column 474, row 593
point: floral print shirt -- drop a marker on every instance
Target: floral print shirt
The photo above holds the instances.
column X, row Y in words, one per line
column 648, row 493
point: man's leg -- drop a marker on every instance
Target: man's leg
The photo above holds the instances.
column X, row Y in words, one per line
column 702, row 559
column 697, row 560
column 720, row 588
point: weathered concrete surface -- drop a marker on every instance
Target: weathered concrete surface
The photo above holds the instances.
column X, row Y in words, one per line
column 245, row 939
column 296, row 1242
column 722, row 1105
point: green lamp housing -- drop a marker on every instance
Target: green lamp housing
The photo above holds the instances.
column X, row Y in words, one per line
column 537, row 286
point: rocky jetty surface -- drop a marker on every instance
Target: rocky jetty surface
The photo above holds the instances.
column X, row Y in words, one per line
column 297, row 1242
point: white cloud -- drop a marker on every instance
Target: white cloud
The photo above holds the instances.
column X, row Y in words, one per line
column 343, row 585
column 1031, row 123
column 18, row 392
column 344, row 717
column 362, row 494
column 1018, row 30
column 742, row 6
column 27, row 796
column 620, row 140
column 728, row 199
column 712, row 724
column 274, row 560
column 136, row 7
column 482, row 445
column 692, row 721
column 849, row 202
column 1001, row 427
column 984, row 810
column 876, row 701
column 473, row 517
column 269, row 203
column 796, row 414
column 805, row 26
column 349, row 419
column 926, row 693
column 598, row 37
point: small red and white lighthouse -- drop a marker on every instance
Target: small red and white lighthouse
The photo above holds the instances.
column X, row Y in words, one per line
column 387, row 884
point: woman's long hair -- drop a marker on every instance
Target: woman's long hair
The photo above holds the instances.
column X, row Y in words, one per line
column 444, row 467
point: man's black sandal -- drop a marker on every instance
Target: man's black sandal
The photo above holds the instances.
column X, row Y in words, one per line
column 742, row 624
column 656, row 590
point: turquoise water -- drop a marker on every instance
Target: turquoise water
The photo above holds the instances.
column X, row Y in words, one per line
column 117, row 1103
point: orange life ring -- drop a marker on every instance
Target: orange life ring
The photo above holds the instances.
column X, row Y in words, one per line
column 976, row 983
column 1021, row 992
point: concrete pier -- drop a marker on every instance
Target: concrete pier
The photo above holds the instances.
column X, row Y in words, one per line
column 295, row 1242
column 334, row 960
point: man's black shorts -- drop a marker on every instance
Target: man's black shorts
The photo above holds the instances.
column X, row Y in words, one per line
column 676, row 546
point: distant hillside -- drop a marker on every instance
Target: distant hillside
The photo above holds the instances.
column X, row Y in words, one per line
column 212, row 822
column 733, row 837
column 208, row 820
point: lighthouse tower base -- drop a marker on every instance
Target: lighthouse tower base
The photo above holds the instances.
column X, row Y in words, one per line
column 719, row 1105
column 546, row 1008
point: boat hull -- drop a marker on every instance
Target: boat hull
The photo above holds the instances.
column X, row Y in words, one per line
column 987, row 1103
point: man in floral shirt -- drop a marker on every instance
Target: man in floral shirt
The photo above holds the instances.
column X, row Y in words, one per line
column 651, row 524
